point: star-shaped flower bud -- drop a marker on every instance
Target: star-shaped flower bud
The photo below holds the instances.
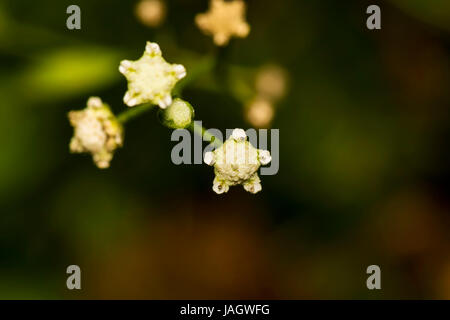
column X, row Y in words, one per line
column 237, row 162
column 97, row 131
column 224, row 20
column 151, row 78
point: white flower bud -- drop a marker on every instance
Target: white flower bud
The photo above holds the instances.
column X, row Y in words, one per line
column 220, row 187
column 97, row 131
column 209, row 158
column 94, row 102
column 253, row 187
column 180, row 71
column 264, row 156
column 124, row 66
column 236, row 162
column 150, row 79
column 152, row 48
column 239, row 134
column 165, row 102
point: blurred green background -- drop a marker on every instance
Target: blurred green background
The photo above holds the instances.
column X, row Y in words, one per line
column 363, row 179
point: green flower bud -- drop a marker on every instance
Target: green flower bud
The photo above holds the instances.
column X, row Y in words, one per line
column 178, row 115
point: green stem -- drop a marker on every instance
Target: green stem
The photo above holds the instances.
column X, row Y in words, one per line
column 206, row 65
column 134, row 112
column 205, row 134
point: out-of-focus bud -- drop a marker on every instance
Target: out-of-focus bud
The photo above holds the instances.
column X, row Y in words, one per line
column 271, row 82
column 151, row 13
column 223, row 20
column 259, row 112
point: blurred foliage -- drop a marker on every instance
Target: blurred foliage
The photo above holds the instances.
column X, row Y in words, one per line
column 364, row 156
column 435, row 12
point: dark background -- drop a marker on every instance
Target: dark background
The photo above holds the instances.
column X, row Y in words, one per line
column 364, row 156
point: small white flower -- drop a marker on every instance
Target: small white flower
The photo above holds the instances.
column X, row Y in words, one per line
column 94, row 102
column 150, row 79
column 180, row 71
column 97, row 131
column 165, row 102
column 124, row 66
column 237, row 162
column 264, row 157
column 152, row 48
column 209, row 158
column 253, row 185
column 239, row 134
column 220, row 187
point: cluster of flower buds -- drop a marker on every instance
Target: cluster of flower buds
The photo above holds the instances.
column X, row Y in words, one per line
column 271, row 84
column 150, row 81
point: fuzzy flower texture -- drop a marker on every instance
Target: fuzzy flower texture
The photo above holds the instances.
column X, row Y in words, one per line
column 151, row 79
column 97, row 131
column 237, row 162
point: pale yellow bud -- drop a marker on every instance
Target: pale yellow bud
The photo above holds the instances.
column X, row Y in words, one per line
column 271, row 82
column 151, row 13
column 259, row 112
column 224, row 20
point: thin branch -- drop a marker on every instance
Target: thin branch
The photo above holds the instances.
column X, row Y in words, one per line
column 205, row 134
column 206, row 65
column 134, row 112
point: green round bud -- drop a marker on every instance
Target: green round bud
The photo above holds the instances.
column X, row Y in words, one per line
column 178, row 115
